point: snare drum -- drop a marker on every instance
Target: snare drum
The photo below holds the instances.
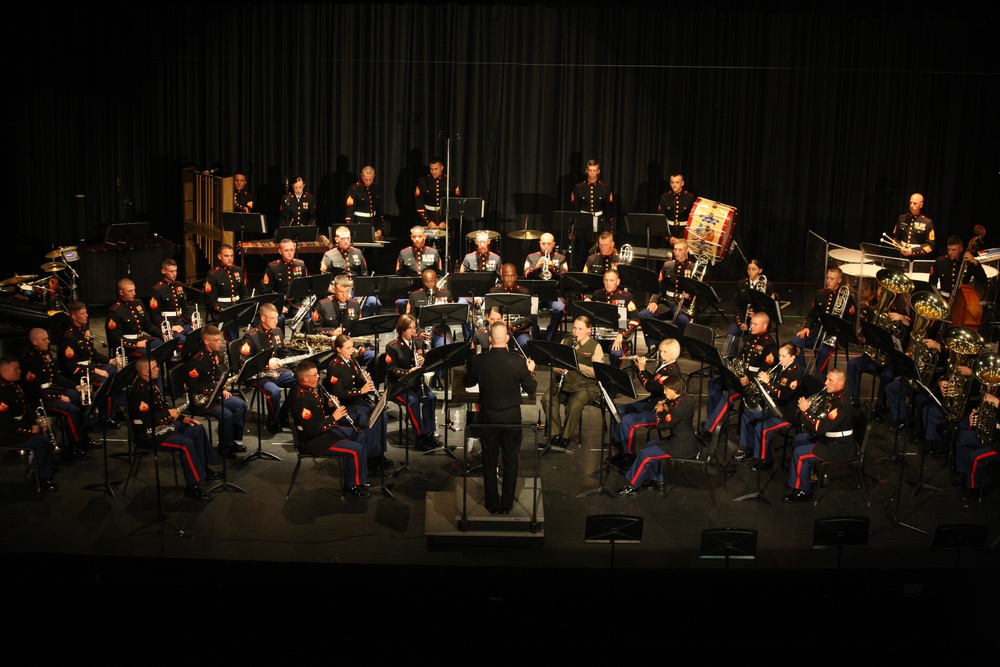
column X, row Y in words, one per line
column 710, row 229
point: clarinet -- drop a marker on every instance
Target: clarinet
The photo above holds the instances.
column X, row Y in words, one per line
column 327, row 396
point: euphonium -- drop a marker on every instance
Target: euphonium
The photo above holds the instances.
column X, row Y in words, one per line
column 839, row 308
column 893, row 282
column 963, row 344
column 987, row 371
column 927, row 307
column 761, row 286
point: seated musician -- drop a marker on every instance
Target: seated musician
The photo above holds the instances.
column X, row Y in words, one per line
column 405, row 355
column 168, row 300
column 128, row 323
column 205, row 368
column 931, row 364
column 267, row 336
column 875, row 361
column 783, row 383
column 481, row 260
column 225, row 285
column 755, row 281
column 353, row 388
column 79, row 358
column 674, row 412
column 758, row 353
column 18, row 423
column 605, row 258
column 613, row 294
column 944, row 273
column 480, row 341
column 639, row 415
column 575, row 389
column 150, row 412
column 414, row 260
column 835, row 299
column 520, row 327
column 548, row 262
column 345, row 257
column 324, row 428
column 954, row 390
column 829, row 418
column 672, row 301
column 977, row 446
column 335, row 315
column 279, row 274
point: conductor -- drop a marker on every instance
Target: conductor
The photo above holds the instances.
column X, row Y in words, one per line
column 501, row 375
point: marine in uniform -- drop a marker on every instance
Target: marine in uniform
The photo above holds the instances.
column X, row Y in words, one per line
column 78, row 357
column 299, row 207
column 225, row 285
column 430, row 194
column 128, row 323
column 663, row 306
column 605, row 258
column 365, row 202
column 547, row 260
column 18, row 424
column 520, row 327
column 205, row 369
column 639, row 415
column 914, row 231
column 279, row 274
column 168, row 299
column 353, row 388
column 676, row 205
column 574, row 389
column 242, row 197
column 405, row 355
column 834, row 299
column 614, row 295
column 594, row 197
column 784, row 384
column 482, row 260
column 268, row 337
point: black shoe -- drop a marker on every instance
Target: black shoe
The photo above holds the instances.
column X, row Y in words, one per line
column 357, row 491
column 617, row 459
column 109, row 424
column 95, row 444
column 743, row 455
column 48, row 485
column 626, row 490
column 238, row 448
column 878, row 414
column 968, row 497
column 76, row 454
column 626, row 462
column 897, row 425
column 436, row 384
column 213, row 475
column 229, row 455
column 195, row 493
column 274, row 429
column 766, row 464
column 656, row 486
column 799, row 497
column 703, row 434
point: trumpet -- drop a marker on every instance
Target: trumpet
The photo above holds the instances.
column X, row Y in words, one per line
column 120, row 357
column 196, row 318
column 85, row 388
column 546, row 267
column 44, row 423
column 165, row 329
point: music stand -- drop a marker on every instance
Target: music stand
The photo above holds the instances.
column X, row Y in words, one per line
column 225, row 484
column 373, row 326
column 960, row 536
column 600, row 313
column 399, row 287
column 659, row 330
column 237, row 316
column 769, row 408
column 161, row 354
column 610, row 380
column 639, row 280
column 612, row 529
column 297, row 233
column 369, row 286
column 251, row 367
column 405, row 383
column 654, row 224
column 445, row 357
column 509, row 304
column 233, row 221
column 545, row 290
column 698, row 289
column 837, row 532
column 99, row 396
column 839, row 327
column 728, row 544
column 573, row 284
column 554, row 355
column 473, row 284
column 569, row 222
column 762, row 302
column 361, row 232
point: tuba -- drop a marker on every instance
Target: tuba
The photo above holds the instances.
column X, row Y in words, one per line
column 963, row 344
column 987, row 371
column 893, row 282
column 927, row 307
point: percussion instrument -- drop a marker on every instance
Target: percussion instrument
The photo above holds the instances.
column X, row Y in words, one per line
column 435, row 233
column 16, row 280
column 525, row 234
column 54, row 267
column 848, row 255
column 860, row 270
column 472, row 235
column 710, row 229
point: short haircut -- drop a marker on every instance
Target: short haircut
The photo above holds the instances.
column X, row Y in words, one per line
column 674, row 383
column 75, row 307
column 268, row 308
column 210, row 331
column 592, row 162
column 168, row 262
column 343, row 280
column 304, row 367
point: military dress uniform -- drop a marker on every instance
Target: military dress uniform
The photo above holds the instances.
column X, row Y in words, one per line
column 832, row 439
column 759, row 353
column 670, row 296
column 911, row 230
column 677, row 207
column 557, row 308
column 344, row 380
column 476, row 262
column 204, row 370
column 298, row 210
column 44, row 382
column 242, row 199
column 597, row 200
column 320, row 435
column 858, row 366
column 16, row 420
column 365, row 204
column 255, row 340
column 440, row 335
column 400, row 357
column 824, row 301
column 640, row 414
column 168, row 299
column 624, row 299
column 412, row 261
column 756, row 430
column 521, row 327
column 127, row 324
column 278, row 276
column 224, row 286
column 742, row 297
column 351, row 261
column 429, row 197
column 77, row 354
column 601, row 264
column 682, row 443
column 944, row 273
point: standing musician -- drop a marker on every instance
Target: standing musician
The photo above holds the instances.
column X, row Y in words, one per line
column 594, row 197
column 835, row 299
column 279, row 274
column 430, row 194
column 914, row 231
column 576, row 389
column 128, row 323
column 225, row 284
column 324, row 428
column 501, row 376
column 605, row 258
column 548, row 262
column 335, row 314
column 354, row 389
column 344, row 256
column 522, row 327
column 784, row 385
column 676, row 204
column 674, row 412
column 149, row 410
column 43, row 382
column 78, row 353
column 638, row 415
column 405, row 355
column 755, row 281
column 299, row 207
column 944, row 271
column 168, row 300
column 759, row 353
column 18, row 424
column 830, row 417
column 665, row 305
column 263, row 337
column 242, row 197
column 613, row 294
column 481, row 260
column 364, row 202
column 205, row 368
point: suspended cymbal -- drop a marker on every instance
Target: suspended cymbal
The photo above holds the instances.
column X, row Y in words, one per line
column 435, row 233
column 16, row 280
column 525, row 234
column 493, row 235
column 55, row 254
column 53, row 267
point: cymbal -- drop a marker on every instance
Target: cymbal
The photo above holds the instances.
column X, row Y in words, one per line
column 493, row 235
column 53, row 267
column 435, row 233
column 16, row 280
column 525, row 234
column 55, row 254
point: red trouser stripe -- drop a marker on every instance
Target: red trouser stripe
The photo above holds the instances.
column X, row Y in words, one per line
column 631, row 434
column 798, row 468
column 187, row 455
column 723, row 412
column 765, row 437
column 638, row 471
column 69, row 420
column 354, row 455
column 975, row 464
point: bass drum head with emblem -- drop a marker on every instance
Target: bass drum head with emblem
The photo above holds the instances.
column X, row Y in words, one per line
column 710, row 228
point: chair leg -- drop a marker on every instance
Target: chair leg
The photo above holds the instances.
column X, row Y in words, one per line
column 295, row 473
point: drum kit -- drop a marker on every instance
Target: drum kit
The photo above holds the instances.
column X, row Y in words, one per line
column 45, row 287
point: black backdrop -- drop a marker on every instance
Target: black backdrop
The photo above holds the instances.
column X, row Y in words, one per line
column 821, row 120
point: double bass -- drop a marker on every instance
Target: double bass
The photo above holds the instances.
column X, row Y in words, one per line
column 964, row 309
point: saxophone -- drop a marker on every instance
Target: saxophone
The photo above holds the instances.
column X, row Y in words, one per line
column 164, row 429
column 893, row 282
column 963, row 344
column 927, row 307
column 987, row 371
column 288, row 361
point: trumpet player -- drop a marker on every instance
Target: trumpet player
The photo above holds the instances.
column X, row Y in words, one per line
column 204, row 370
column 829, row 435
column 169, row 300
column 18, row 423
column 784, row 384
column 755, row 281
column 405, row 355
column 548, row 262
column 128, row 324
column 520, row 327
column 78, row 354
column 664, row 306
column 325, row 428
column 354, row 389
column 263, row 337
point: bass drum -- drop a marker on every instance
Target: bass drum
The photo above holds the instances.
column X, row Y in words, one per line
column 710, row 228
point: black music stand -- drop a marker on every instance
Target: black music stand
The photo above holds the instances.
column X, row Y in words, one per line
column 600, row 313
column 251, row 367
column 659, row 330
column 554, row 355
column 406, row 383
column 233, row 221
column 569, row 223
column 369, row 286
column 472, row 284
column 301, row 289
column 639, row 280
column 653, row 224
column 98, row 397
column 161, row 354
column 443, row 358
column 837, row 532
column 509, row 304
column 297, row 233
column 839, row 327
column 728, row 544
column 397, row 287
column 761, row 302
column 573, row 284
column 126, row 234
column 361, row 232
column 769, row 408
column 709, row 355
column 612, row 529
column 473, row 208
column 225, row 484
column 702, row 290
column 960, row 536
column 373, row 326
column 610, row 381
column 545, row 290
column 238, row 315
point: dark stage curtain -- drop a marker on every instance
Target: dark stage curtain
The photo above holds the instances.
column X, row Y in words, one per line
column 822, row 121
